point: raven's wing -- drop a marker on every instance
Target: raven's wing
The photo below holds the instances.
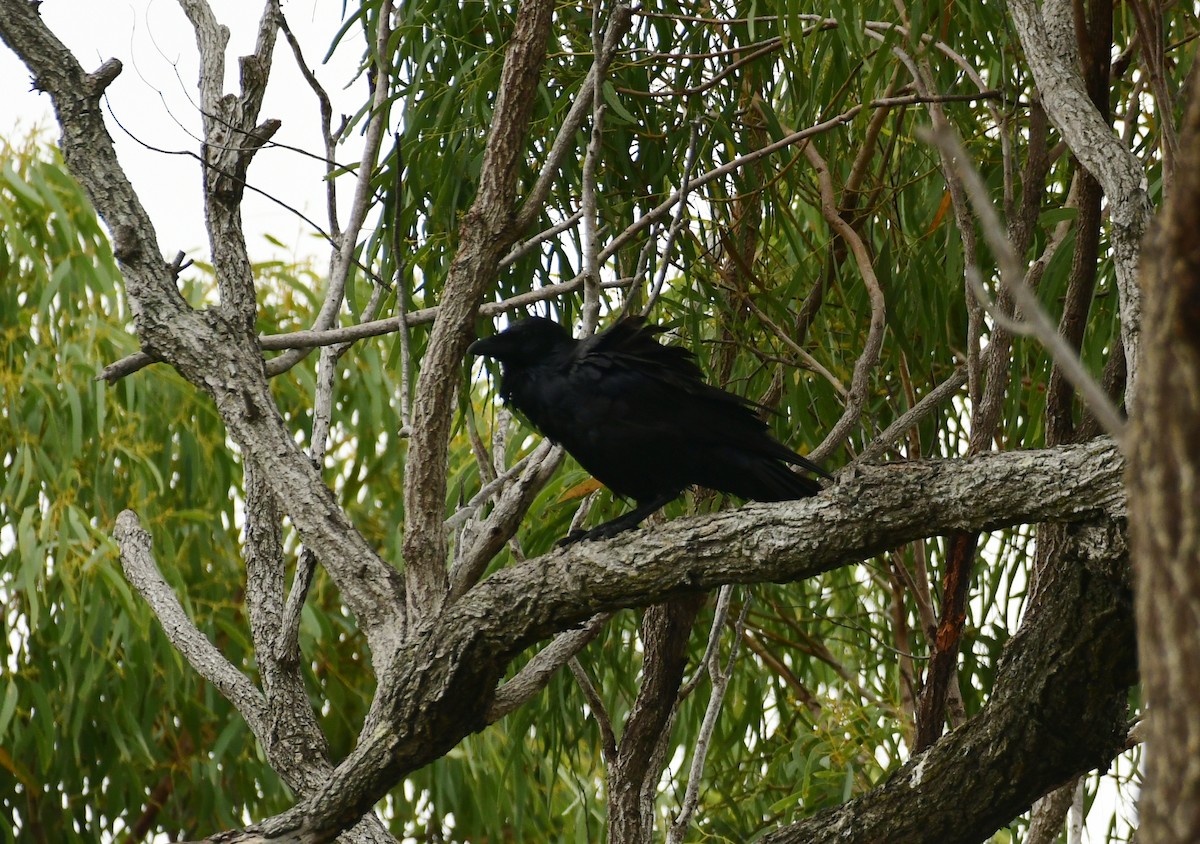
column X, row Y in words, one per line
column 643, row 421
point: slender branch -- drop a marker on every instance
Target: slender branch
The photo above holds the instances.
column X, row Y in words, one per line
column 142, row 572
column 720, row 684
column 401, row 289
column 608, row 738
column 525, row 247
column 664, row 259
column 326, row 110
column 874, row 343
column 341, row 261
column 505, row 518
column 536, row 673
column 311, row 339
column 720, row 611
column 591, row 159
column 1036, row 319
column 927, row 405
column 619, row 22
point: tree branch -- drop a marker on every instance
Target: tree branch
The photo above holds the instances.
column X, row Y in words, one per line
column 1058, row 710
column 444, row 687
column 486, row 233
column 137, row 561
column 212, row 349
column 537, row 672
column 1099, row 150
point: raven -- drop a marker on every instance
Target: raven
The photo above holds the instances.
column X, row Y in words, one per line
column 637, row 415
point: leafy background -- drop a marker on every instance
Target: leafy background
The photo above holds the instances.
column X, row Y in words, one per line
column 104, row 730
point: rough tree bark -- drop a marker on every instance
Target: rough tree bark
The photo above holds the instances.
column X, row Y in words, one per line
column 1058, row 710
column 1165, row 498
column 634, row 772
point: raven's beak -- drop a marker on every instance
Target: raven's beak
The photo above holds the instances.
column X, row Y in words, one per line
column 491, row 347
column 487, row 347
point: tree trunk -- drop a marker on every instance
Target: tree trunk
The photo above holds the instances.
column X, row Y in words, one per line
column 1165, row 507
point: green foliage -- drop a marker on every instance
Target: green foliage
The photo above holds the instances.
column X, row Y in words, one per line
column 84, row 746
column 819, row 704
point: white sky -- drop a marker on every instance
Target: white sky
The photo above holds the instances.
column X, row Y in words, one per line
column 154, row 98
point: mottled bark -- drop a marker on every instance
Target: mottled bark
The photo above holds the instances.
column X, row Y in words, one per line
column 442, row 689
column 634, row 773
column 488, row 229
column 1164, row 475
column 1058, row 710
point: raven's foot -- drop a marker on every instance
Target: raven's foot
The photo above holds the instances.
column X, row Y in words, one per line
column 604, row 531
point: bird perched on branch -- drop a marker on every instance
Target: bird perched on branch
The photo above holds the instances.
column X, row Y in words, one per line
column 638, row 416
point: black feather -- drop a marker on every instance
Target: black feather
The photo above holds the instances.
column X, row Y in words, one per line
column 638, row 416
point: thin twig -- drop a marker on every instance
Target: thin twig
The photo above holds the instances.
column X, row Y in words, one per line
column 326, row 109
column 714, row 640
column 401, row 290
column 608, row 739
column 591, row 158
column 664, row 260
column 869, row 357
column 312, row 339
column 342, row 259
column 619, row 22
column 1038, row 322
column 720, row 681
column 928, row 403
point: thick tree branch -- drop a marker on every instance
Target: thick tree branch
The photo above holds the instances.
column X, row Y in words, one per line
column 211, row 348
column 1058, row 710
column 1101, row 151
column 487, row 231
column 1165, row 504
column 444, row 687
column 137, row 561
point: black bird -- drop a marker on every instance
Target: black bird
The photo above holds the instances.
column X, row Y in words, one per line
column 637, row 415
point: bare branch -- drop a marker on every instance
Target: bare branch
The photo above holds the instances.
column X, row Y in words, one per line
column 591, row 159
column 870, row 353
column 311, row 339
column 619, row 22
column 927, row 405
column 137, row 561
column 1036, row 318
column 720, row 612
column 664, row 259
column 1102, row 153
column 341, row 261
column 608, row 738
column 536, row 673
column 720, row 684
column 505, row 518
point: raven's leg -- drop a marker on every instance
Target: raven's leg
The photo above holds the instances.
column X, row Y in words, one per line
column 621, row 523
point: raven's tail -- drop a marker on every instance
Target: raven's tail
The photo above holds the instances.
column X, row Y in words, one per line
column 774, row 481
column 757, row 477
